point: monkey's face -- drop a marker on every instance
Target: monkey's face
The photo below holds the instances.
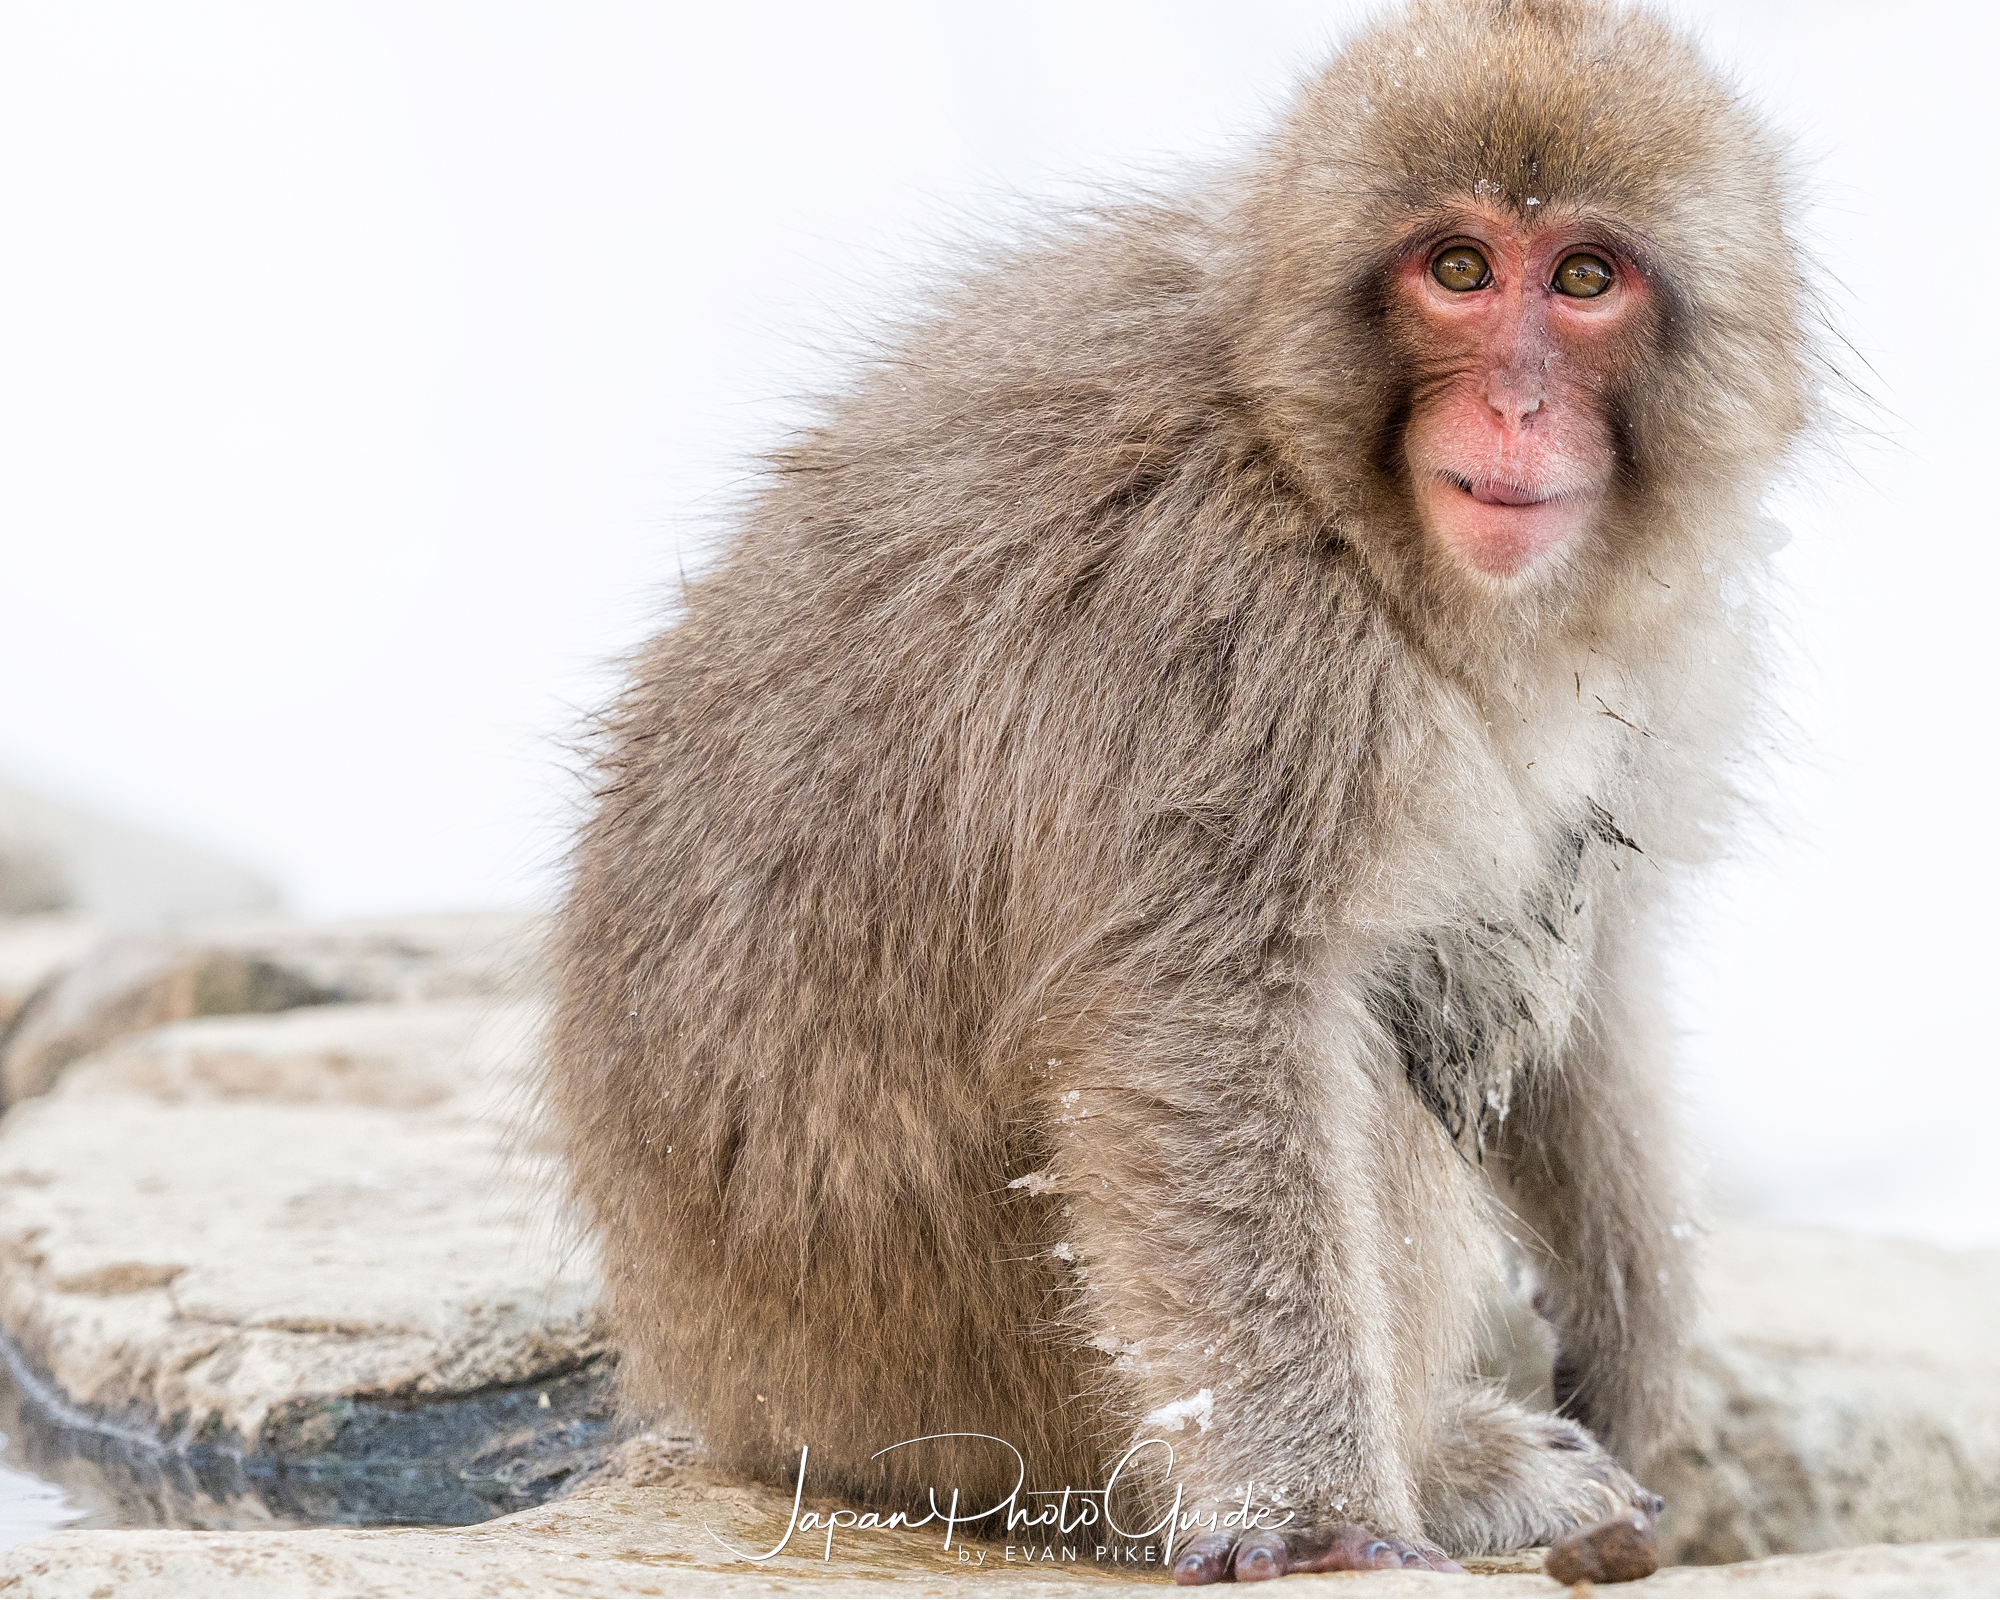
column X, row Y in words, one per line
column 1519, row 342
column 1529, row 338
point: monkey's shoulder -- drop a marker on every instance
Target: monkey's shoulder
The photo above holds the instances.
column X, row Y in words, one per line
column 1044, row 390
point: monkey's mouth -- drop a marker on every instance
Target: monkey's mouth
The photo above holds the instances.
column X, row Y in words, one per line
column 1493, row 492
column 1498, row 526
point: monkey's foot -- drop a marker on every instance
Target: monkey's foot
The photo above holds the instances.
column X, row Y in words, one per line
column 1347, row 1547
column 1617, row 1551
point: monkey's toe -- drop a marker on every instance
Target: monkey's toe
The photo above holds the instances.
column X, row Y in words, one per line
column 1347, row 1547
column 1206, row 1560
column 1617, row 1551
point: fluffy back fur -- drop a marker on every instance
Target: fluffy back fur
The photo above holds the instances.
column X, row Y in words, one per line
column 1078, row 837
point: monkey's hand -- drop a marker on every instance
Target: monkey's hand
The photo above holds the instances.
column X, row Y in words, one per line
column 1345, row 1547
column 1617, row 1551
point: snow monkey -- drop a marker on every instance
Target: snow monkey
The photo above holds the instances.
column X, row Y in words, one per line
column 1125, row 892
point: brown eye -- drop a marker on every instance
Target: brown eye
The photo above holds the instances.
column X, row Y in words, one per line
column 1583, row 275
column 1461, row 268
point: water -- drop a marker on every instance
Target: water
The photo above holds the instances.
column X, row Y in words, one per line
column 31, row 1503
column 57, row 1476
column 41, row 1487
column 31, row 1506
column 354, row 1463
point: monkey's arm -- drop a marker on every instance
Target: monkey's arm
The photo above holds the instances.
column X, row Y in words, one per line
column 1273, row 1238
column 1592, row 1167
column 1268, row 1229
column 1222, row 1178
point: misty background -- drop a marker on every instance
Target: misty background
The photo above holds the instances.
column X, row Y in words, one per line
column 370, row 373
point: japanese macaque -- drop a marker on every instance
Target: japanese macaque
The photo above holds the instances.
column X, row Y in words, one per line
column 1123, row 901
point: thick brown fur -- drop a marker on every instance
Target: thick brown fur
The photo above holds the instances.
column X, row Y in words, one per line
column 1086, row 907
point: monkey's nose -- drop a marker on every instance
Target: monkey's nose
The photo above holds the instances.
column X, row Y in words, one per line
column 1511, row 401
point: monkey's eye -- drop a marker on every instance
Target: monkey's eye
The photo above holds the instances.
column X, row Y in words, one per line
column 1583, row 275
column 1460, row 268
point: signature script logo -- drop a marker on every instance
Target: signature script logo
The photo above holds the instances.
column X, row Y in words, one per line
column 1044, row 1515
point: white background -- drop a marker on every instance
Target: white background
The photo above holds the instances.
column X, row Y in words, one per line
column 368, row 371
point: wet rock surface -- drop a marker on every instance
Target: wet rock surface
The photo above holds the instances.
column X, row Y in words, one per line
column 342, row 1461
column 291, row 1263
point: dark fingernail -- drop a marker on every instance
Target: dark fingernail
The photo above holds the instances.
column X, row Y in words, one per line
column 1412, row 1559
column 1375, row 1550
column 1659, row 1505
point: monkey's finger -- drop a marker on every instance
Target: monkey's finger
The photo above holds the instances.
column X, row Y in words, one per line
column 1262, row 1555
column 1206, row 1560
column 1417, row 1556
column 1617, row 1551
column 1350, row 1547
column 1347, row 1547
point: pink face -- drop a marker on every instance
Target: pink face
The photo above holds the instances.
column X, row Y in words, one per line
column 1519, row 335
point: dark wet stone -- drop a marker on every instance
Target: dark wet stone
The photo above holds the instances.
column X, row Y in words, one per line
column 445, row 1461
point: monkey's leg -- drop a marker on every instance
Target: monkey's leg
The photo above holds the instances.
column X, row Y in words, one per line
column 1588, row 1161
column 1238, row 1177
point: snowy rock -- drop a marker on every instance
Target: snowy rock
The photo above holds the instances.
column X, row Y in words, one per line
column 459, row 956
column 34, row 950
column 134, row 982
column 303, row 1252
column 1847, row 1393
column 124, row 986
column 404, row 1057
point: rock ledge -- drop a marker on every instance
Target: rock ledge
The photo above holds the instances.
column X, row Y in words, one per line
column 661, row 1538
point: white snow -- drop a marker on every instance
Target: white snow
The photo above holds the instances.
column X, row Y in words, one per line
column 1198, row 1408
